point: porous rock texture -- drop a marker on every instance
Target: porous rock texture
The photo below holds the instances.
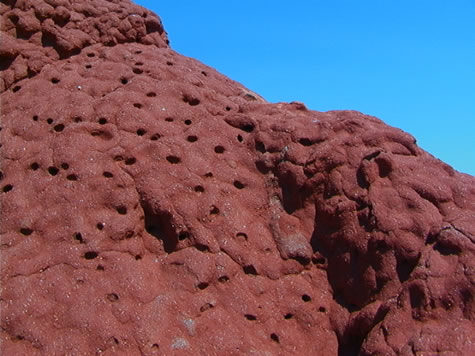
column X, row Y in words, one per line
column 152, row 206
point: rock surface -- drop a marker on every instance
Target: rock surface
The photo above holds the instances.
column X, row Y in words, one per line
column 152, row 206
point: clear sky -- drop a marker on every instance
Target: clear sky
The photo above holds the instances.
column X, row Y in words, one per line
column 409, row 62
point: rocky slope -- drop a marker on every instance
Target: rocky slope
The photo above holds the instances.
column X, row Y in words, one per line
column 152, row 206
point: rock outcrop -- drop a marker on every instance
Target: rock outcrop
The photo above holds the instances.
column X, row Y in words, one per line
column 152, row 206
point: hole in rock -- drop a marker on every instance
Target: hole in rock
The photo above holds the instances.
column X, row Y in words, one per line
column 88, row 66
column 72, row 177
column 90, row 255
column 7, row 188
column 306, row 298
column 188, row 122
column 274, row 337
column 305, row 142
column 260, row 147
column 124, row 80
column 241, row 236
column 54, row 80
column 322, row 309
column 214, row 210
column 160, row 225
column 137, row 71
column 249, row 269
column 238, row 184
column 206, row 307
column 319, row 260
column 208, row 175
column 183, row 235
column 204, row 73
column 112, row 297
column 155, row 346
column 64, row 166
column 203, row 285
column 118, row 158
column 239, row 138
column 100, row 268
column 169, row 119
column 199, row 189
column 35, row 117
column 288, row 316
column 151, row 94
column 155, row 137
column 130, row 161
column 223, row 279
column 190, row 100
column 78, row 237
column 100, row 226
column 446, row 248
column 192, row 138
column 201, row 247
column 91, row 55
column 53, row 170
column 49, row 121
column 173, row 159
column 228, row 108
column 107, row 174
column 169, row 63
column 138, row 105
column 34, row 166
column 139, row 63
column 102, row 121
column 26, row 231
column 219, row 149
column 122, row 210
column 138, row 257
column 16, row 88
column 77, row 119
column 250, row 317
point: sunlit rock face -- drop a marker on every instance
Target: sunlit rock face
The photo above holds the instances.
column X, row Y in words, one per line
column 152, row 206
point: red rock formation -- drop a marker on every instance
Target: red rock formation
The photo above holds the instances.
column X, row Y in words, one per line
column 152, row 206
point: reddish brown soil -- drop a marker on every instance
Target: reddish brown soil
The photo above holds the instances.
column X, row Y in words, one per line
column 152, row 206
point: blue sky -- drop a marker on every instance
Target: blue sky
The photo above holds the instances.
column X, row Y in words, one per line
column 409, row 62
